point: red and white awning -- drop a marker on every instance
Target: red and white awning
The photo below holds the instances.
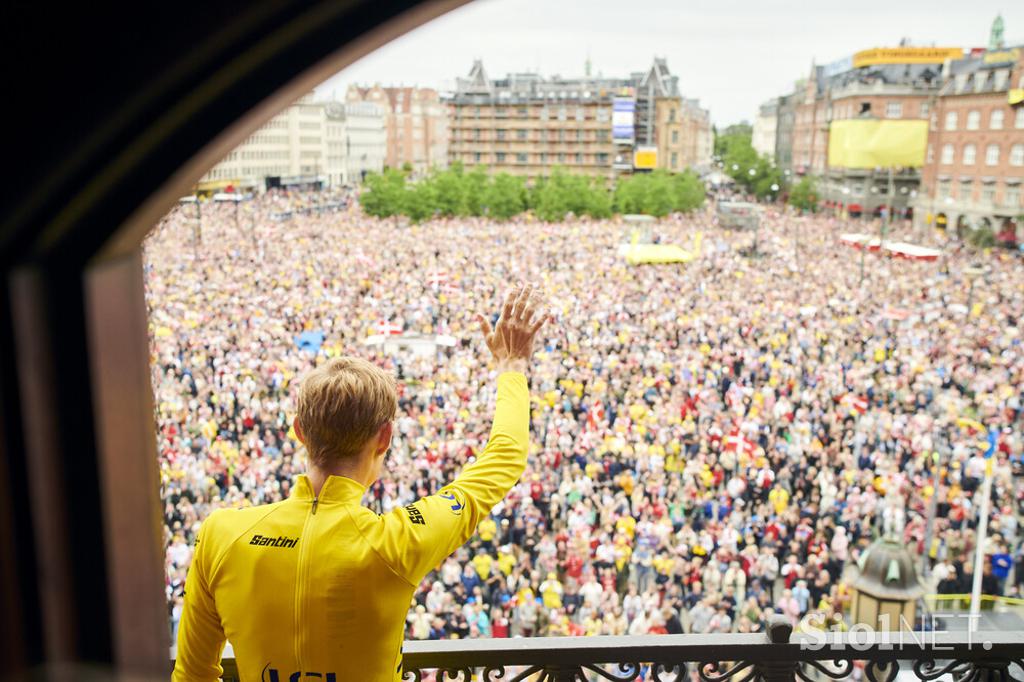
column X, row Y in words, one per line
column 905, row 250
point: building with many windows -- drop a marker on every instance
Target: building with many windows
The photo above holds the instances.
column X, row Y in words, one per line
column 527, row 125
column 416, row 125
column 309, row 143
column 974, row 171
column 884, row 84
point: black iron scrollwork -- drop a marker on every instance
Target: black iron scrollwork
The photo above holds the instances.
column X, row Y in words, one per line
column 928, row 669
column 497, row 672
column 711, row 671
column 678, row 671
column 882, row 671
column 841, row 669
column 627, row 672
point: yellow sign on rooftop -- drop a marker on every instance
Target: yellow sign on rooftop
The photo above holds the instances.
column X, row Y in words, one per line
column 906, row 55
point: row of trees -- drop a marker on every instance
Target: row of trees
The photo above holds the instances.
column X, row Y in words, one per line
column 457, row 192
column 755, row 173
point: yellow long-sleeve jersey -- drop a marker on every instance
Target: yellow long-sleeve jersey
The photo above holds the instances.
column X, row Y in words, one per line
column 318, row 587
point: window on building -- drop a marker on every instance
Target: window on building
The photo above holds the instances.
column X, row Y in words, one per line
column 973, row 119
column 521, row 134
column 602, row 159
column 992, row 155
column 579, row 135
column 500, row 157
column 561, row 136
column 476, row 112
column 579, row 159
column 1018, row 119
column 988, row 192
column 894, row 109
column 931, row 154
column 1011, row 196
column 477, row 155
column 925, row 109
column 995, row 121
column 543, row 157
column 563, row 113
column 966, row 190
column 671, row 115
column 951, row 120
column 520, row 158
column 947, row 154
column 561, row 157
column 1017, row 155
column 675, row 136
column 944, row 191
column 604, row 114
column 970, row 154
column 675, row 160
column 580, row 113
column 522, row 112
column 544, row 113
column 500, row 133
column 603, row 136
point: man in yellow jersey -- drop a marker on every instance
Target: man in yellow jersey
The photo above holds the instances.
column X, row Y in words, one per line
column 317, row 587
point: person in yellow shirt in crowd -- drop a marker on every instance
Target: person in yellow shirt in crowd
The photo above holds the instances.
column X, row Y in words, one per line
column 551, row 592
column 506, row 559
column 318, row 585
column 487, row 530
column 778, row 498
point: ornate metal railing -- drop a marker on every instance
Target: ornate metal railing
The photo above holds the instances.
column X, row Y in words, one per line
column 779, row 656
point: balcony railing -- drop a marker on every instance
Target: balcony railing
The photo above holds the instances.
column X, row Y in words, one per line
column 778, row 656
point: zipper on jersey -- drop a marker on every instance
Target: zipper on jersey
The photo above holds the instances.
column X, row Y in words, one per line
column 301, row 576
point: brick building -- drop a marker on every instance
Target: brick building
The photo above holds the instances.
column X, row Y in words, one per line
column 974, row 169
column 416, row 122
column 885, row 84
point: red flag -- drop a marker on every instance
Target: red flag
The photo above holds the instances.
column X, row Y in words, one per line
column 388, row 328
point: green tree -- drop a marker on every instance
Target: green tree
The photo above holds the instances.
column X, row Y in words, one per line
column 505, row 196
column 804, row 194
column 475, row 185
column 688, row 191
column 449, row 190
column 383, row 194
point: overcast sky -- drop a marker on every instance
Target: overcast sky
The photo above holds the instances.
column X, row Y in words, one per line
column 731, row 54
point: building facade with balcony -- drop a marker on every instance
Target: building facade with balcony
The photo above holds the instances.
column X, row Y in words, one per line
column 974, row 171
column 883, row 84
column 527, row 125
column 897, row 92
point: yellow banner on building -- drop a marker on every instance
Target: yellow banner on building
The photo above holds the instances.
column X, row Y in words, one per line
column 1002, row 56
column 1015, row 96
column 906, row 55
column 871, row 143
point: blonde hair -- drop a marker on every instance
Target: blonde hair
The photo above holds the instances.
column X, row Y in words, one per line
column 341, row 406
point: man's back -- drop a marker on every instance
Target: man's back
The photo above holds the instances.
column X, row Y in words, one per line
column 322, row 585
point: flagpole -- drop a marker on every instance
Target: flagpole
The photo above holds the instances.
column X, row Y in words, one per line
column 979, row 551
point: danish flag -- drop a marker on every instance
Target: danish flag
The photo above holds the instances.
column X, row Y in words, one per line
column 854, row 403
column 437, row 278
column 596, row 414
column 388, row 328
column 738, row 443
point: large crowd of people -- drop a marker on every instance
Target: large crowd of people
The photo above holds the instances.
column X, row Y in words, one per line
column 712, row 442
